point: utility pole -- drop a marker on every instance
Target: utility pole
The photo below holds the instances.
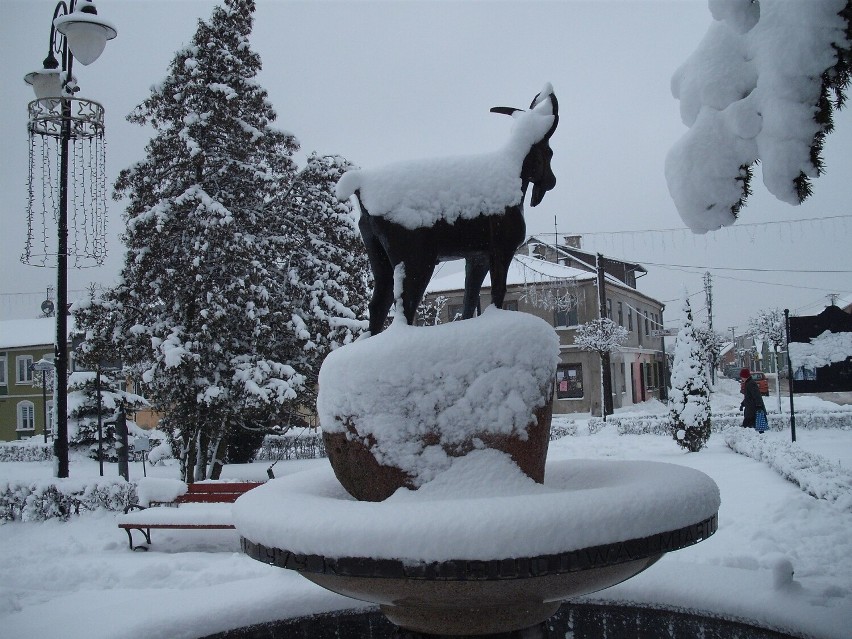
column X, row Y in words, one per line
column 708, row 293
column 606, row 378
column 790, row 374
column 734, row 345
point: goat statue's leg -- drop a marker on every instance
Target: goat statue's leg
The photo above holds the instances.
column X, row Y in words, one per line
column 414, row 283
column 382, row 298
column 500, row 262
column 475, row 269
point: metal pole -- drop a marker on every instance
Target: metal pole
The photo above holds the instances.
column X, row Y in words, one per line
column 44, row 401
column 790, row 374
column 60, row 444
column 100, row 421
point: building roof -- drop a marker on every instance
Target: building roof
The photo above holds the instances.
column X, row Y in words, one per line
column 29, row 332
column 586, row 257
column 523, row 270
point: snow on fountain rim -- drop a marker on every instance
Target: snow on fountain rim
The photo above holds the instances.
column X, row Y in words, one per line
column 482, row 508
column 463, row 379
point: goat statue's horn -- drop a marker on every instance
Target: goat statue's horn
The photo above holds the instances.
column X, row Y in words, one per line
column 505, row 110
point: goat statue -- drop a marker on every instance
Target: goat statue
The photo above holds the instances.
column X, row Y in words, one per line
column 416, row 214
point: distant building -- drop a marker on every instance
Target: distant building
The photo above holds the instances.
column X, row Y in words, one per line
column 22, row 344
column 559, row 284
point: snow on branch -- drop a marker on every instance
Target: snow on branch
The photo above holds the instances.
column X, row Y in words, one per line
column 758, row 88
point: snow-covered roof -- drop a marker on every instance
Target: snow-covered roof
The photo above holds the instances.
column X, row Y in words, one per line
column 29, row 332
column 522, row 270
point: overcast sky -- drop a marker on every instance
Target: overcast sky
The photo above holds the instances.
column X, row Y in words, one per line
column 385, row 81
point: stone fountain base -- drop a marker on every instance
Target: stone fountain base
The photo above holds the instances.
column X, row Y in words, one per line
column 524, row 547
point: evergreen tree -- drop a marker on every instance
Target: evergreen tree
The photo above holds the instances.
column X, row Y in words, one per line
column 328, row 271
column 689, row 398
column 83, row 411
column 203, row 305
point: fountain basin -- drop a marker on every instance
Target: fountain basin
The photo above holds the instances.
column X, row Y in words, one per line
column 482, row 548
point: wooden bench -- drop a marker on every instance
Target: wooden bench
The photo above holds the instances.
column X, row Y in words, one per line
column 206, row 506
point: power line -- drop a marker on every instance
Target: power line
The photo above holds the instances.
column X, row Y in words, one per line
column 739, row 225
column 737, row 268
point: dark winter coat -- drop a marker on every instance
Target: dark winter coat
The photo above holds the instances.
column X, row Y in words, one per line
column 752, row 402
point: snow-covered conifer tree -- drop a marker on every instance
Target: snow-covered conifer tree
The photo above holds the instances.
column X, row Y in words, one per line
column 203, row 303
column 328, row 271
column 689, row 397
column 602, row 336
column 83, row 411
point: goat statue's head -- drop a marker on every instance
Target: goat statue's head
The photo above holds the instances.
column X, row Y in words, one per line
column 536, row 126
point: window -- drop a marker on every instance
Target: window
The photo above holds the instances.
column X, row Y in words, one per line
column 629, row 318
column 565, row 318
column 647, row 327
column 49, row 417
column 2, row 370
column 569, row 381
column 26, row 415
column 609, row 308
column 454, row 312
column 23, row 366
column 621, row 313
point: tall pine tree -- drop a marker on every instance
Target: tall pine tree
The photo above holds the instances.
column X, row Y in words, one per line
column 329, row 272
column 689, row 398
column 204, row 305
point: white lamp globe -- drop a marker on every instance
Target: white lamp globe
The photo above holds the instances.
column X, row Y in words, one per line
column 46, row 83
column 86, row 32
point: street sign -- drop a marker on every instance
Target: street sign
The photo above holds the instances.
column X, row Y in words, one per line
column 664, row 332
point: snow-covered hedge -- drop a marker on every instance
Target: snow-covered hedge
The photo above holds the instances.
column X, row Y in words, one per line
column 814, row 474
column 281, row 447
column 659, row 425
column 25, row 451
column 59, row 498
column 558, row 431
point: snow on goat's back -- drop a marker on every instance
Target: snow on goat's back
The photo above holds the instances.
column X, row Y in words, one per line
column 419, row 193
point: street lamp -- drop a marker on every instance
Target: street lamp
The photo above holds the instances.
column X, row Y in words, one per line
column 42, row 366
column 75, row 30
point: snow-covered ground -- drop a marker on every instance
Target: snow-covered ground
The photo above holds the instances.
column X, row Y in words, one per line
column 78, row 579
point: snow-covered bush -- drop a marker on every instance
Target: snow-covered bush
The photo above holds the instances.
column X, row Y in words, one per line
column 40, row 500
column 814, row 474
column 25, row 451
column 563, row 429
column 689, row 398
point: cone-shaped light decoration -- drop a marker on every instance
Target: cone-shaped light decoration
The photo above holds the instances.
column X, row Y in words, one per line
column 87, row 33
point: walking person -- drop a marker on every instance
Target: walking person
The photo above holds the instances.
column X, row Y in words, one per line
column 754, row 412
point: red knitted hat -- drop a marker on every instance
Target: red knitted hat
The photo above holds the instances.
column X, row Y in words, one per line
column 745, row 373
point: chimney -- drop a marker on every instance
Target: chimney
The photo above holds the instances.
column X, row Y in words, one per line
column 573, row 241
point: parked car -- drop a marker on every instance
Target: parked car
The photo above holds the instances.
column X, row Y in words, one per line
column 762, row 383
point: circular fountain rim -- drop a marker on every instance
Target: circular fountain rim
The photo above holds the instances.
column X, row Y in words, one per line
column 488, row 570
column 570, row 512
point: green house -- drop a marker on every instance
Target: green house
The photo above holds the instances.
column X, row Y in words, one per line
column 24, row 407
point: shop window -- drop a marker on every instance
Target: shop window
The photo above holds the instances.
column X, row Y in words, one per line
column 569, row 381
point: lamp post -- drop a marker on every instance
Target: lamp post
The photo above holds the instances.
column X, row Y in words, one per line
column 42, row 366
column 75, row 30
